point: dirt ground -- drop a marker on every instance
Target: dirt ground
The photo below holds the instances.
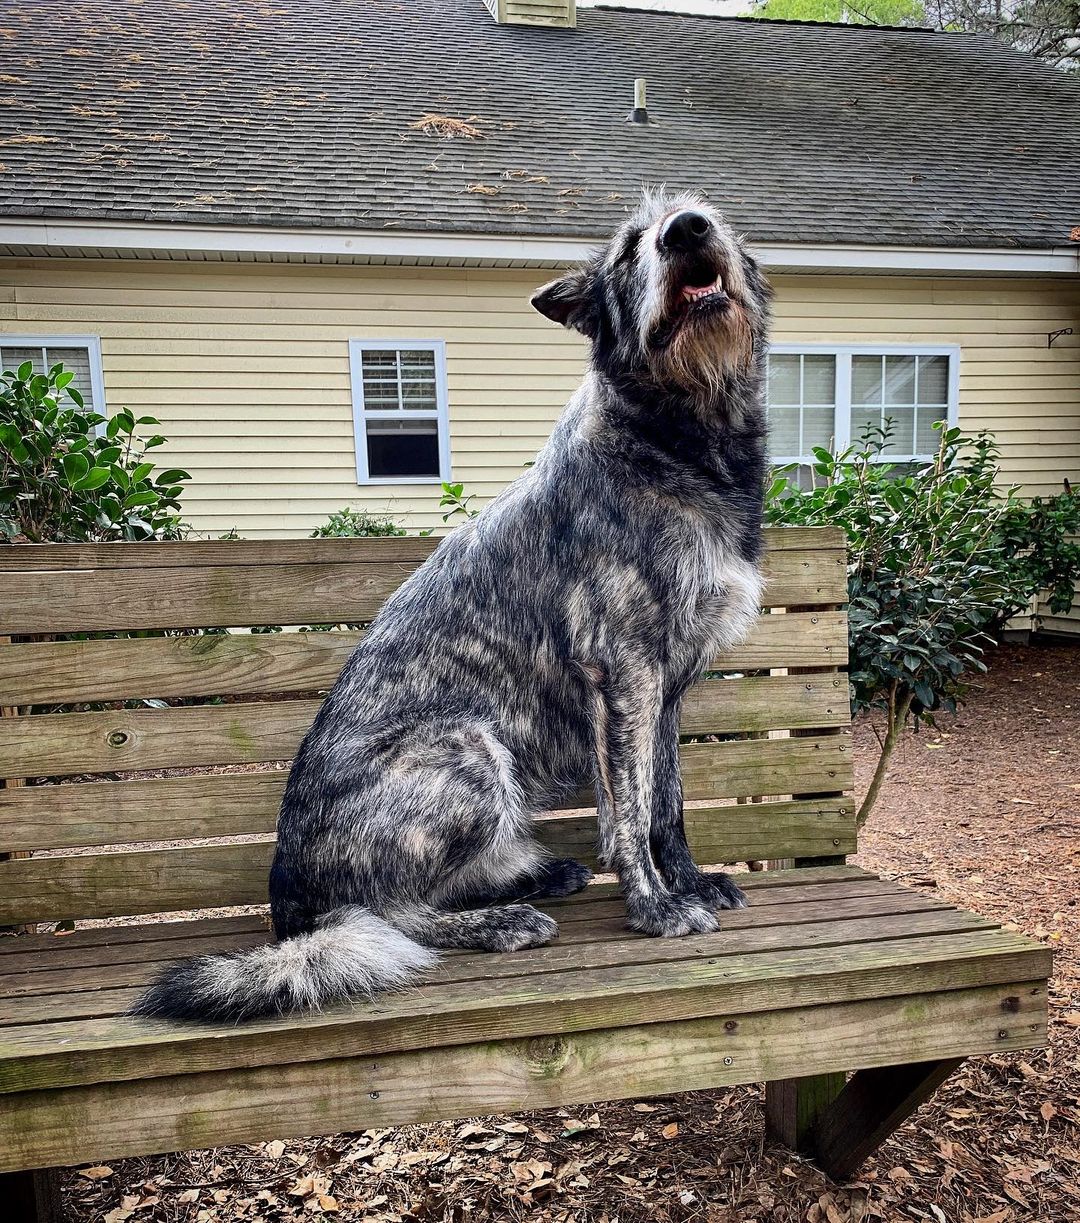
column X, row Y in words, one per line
column 987, row 812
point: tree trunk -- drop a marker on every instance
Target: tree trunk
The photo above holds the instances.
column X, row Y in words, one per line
column 898, row 712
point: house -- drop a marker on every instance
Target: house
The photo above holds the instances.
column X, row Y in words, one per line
column 304, row 234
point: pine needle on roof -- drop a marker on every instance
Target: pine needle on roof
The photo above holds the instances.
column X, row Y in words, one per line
column 448, row 127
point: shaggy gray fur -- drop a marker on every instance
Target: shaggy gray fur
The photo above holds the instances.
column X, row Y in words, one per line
column 546, row 645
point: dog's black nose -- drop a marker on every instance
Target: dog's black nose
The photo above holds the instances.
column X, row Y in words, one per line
column 685, row 231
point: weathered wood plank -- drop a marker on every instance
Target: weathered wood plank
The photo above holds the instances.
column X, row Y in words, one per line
column 230, row 804
column 234, row 664
column 243, row 1105
column 128, row 740
column 94, row 992
column 792, row 1106
column 153, row 941
column 86, row 600
column 897, row 914
column 763, row 886
column 199, row 553
column 100, row 1001
column 207, row 876
column 84, row 1051
column 870, row 1107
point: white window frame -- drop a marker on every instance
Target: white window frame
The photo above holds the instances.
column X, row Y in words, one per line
column 91, row 343
column 843, row 353
column 361, row 415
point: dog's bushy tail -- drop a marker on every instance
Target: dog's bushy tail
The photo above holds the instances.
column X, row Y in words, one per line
column 351, row 954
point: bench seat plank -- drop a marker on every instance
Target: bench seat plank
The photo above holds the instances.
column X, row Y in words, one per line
column 600, row 926
column 491, row 1074
column 779, row 954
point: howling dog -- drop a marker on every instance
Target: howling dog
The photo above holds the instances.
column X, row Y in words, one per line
column 544, row 646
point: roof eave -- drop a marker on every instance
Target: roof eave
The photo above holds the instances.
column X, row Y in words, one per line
column 33, row 237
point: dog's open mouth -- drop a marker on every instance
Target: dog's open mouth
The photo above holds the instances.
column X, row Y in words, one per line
column 700, row 292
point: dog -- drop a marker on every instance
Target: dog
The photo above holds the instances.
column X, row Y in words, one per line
column 544, row 646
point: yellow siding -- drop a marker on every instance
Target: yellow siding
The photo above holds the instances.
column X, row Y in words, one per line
column 247, row 367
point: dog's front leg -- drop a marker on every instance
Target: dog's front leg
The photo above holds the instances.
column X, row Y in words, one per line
column 668, row 834
column 628, row 710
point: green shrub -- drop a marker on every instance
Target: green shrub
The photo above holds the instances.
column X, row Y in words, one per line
column 939, row 560
column 349, row 524
column 65, row 478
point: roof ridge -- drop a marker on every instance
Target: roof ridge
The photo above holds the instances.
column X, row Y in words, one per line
column 745, row 17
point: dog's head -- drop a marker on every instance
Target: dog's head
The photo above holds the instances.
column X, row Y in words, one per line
column 673, row 298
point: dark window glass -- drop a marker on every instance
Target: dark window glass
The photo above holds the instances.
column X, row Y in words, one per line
column 402, row 448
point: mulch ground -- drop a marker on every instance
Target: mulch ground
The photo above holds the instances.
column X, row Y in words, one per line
column 983, row 811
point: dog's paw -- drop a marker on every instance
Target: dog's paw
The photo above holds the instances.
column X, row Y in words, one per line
column 717, row 891
column 565, row 877
column 668, row 916
column 521, row 926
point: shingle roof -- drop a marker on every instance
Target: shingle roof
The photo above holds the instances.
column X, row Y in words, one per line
column 300, row 113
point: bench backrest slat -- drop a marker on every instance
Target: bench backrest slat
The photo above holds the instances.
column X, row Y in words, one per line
column 213, row 766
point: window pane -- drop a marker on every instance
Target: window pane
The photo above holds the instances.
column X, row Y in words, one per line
column 861, row 420
column 784, row 431
column 403, row 448
column 817, row 428
column 901, row 423
column 417, row 363
column 819, row 379
column 419, row 396
column 899, row 380
column 933, row 380
column 865, row 381
column 380, row 361
column 928, row 438
column 12, row 358
column 78, row 361
column 784, row 378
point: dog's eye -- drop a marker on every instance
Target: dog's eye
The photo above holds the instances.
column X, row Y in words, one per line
column 629, row 249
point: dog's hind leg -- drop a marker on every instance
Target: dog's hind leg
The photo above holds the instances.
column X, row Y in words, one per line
column 460, row 822
column 559, row 877
column 668, row 832
column 496, row 928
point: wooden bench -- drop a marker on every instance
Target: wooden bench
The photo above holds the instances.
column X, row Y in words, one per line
column 128, row 812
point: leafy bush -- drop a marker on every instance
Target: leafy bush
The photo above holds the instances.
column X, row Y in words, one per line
column 456, row 501
column 65, row 478
column 939, row 559
column 1039, row 538
column 349, row 523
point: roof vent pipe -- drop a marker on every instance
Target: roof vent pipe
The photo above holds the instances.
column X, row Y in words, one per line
column 639, row 114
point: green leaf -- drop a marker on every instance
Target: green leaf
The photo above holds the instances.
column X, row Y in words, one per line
column 75, row 465
column 140, row 472
column 25, row 371
column 75, row 395
column 95, row 478
column 138, row 499
column 172, row 476
column 64, row 379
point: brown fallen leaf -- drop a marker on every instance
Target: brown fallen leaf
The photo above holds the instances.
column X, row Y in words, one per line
column 1011, row 1191
column 671, row 1131
column 97, row 1173
column 1047, row 1111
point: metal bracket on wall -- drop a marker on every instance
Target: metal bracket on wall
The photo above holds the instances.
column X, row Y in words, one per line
column 1056, row 335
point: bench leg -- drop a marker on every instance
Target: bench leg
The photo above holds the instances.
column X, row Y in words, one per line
column 792, row 1107
column 869, row 1108
column 31, row 1197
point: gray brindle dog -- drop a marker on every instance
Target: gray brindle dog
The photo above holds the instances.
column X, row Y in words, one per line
column 544, row 646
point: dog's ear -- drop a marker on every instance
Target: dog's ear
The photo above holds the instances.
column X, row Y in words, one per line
column 569, row 301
